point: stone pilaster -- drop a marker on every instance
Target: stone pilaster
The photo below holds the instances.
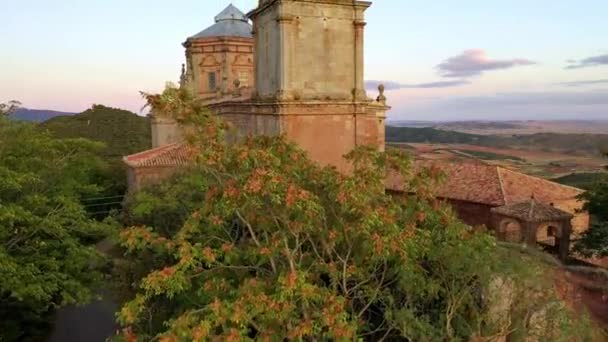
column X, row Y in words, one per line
column 359, row 89
column 284, row 66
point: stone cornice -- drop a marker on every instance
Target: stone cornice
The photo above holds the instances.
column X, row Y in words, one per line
column 217, row 40
column 246, row 107
column 354, row 3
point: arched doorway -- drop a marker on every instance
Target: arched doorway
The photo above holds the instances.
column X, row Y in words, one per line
column 511, row 230
column 547, row 237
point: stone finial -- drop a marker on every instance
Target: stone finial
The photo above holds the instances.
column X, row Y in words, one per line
column 381, row 98
column 182, row 78
column 237, row 88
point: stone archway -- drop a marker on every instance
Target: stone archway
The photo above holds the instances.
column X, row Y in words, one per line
column 535, row 223
column 511, row 230
column 548, row 234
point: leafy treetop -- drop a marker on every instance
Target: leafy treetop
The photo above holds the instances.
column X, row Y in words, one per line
column 267, row 245
column 47, row 259
column 594, row 242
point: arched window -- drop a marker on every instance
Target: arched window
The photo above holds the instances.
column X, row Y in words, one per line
column 511, row 230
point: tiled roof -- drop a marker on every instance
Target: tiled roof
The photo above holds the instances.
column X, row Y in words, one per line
column 519, row 187
column 178, row 154
column 533, row 211
column 231, row 22
column 491, row 185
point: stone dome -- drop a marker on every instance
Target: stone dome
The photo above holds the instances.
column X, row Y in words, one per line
column 231, row 22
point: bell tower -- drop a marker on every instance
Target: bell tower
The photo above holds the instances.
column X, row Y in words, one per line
column 309, row 49
column 309, row 85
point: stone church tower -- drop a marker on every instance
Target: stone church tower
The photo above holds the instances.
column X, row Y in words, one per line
column 219, row 60
column 297, row 72
column 309, row 83
column 309, row 50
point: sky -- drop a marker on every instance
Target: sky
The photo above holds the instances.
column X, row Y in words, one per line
column 439, row 60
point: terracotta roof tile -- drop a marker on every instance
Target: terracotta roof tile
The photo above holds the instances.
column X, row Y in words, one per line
column 178, row 154
column 519, row 187
column 492, row 185
column 533, row 211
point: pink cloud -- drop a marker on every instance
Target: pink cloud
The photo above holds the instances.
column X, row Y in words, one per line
column 474, row 62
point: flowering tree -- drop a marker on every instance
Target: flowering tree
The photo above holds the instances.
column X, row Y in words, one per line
column 264, row 244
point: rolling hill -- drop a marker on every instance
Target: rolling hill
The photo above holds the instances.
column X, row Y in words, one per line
column 122, row 131
column 37, row 115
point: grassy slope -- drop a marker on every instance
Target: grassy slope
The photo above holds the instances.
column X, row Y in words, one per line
column 122, row 131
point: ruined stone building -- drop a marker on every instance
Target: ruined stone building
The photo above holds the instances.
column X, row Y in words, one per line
column 298, row 70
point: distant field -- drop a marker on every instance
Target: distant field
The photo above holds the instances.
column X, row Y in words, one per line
column 570, row 144
column 513, row 127
column 549, row 165
column 484, row 155
column 582, row 180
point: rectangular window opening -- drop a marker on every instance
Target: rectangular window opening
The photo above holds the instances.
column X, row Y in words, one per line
column 244, row 78
column 212, row 81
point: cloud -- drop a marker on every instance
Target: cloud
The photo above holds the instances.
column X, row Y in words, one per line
column 591, row 98
column 583, row 83
column 588, row 62
column 567, row 104
column 475, row 62
column 390, row 85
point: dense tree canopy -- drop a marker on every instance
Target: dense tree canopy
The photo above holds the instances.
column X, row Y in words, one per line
column 594, row 242
column 263, row 244
column 122, row 132
column 46, row 255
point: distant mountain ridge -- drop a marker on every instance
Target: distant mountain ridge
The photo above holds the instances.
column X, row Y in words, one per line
column 511, row 127
column 37, row 115
column 575, row 144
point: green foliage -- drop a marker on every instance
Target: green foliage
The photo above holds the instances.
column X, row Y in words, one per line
column 260, row 243
column 587, row 144
column 594, row 242
column 430, row 135
column 122, row 132
column 47, row 259
column 581, row 180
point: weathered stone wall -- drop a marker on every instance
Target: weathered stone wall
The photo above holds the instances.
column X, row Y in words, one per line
column 142, row 176
column 580, row 222
column 327, row 130
column 266, row 36
column 309, row 50
column 473, row 214
column 165, row 131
